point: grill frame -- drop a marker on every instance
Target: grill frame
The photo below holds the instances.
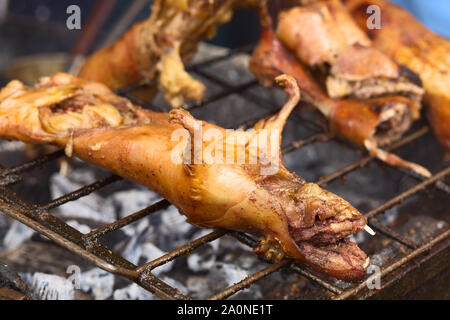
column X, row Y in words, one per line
column 87, row 246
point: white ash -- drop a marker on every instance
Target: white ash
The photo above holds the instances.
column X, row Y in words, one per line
column 223, row 275
column 389, row 216
column 151, row 252
column 17, row 234
column 173, row 230
column 133, row 249
column 131, row 201
column 138, row 250
column 387, row 254
column 174, row 283
column 98, row 283
column 92, row 207
column 203, row 258
column 49, row 287
column 198, row 287
column 133, row 292
column 85, row 229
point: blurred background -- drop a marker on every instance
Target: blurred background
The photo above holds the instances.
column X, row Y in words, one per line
column 30, row 27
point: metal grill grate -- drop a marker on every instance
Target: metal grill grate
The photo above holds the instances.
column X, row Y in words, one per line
column 88, row 246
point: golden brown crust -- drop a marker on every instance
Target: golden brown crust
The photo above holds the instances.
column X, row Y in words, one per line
column 108, row 131
column 354, row 120
column 155, row 50
column 352, row 64
column 116, row 66
column 323, row 35
column 367, row 123
column 406, row 40
column 319, row 32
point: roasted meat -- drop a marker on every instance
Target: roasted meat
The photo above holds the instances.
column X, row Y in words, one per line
column 324, row 36
column 165, row 153
column 406, row 40
column 368, row 123
column 156, row 49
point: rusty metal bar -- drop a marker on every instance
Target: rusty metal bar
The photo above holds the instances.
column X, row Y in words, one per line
column 392, row 234
column 80, row 193
column 95, row 234
column 399, row 263
column 400, row 198
column 71, row 239
column 439, row 185
column 295, row 145
column 247, row 282
column 364, row 161
column 186, row 249
column 32, row 164
column 87, row 247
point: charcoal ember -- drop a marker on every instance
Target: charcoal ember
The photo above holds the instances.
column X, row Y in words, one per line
column 133, row 292
column 92, row 207
column 98, row 283
column 279, row 286
column 203, row 258
column 49, row 287
column 10, row 279
column 240, row 74
column 420, row 228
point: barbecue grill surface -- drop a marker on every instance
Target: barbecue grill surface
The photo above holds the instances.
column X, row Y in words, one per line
column 235, row 100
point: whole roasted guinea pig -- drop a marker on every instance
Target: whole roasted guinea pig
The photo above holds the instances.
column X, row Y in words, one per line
column 164, row 152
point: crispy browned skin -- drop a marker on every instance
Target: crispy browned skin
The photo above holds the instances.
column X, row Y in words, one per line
column 319, row 32
column 323, row 34
column 156, row 49
column 407, row 41
column 296, row 218
column 367, row 123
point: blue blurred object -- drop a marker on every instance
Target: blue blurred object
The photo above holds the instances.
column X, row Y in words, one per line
column 433, row 13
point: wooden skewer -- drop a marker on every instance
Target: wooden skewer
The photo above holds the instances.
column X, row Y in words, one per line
column 369, row 230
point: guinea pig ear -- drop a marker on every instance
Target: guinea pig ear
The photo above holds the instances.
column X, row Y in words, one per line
column 279, row 121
